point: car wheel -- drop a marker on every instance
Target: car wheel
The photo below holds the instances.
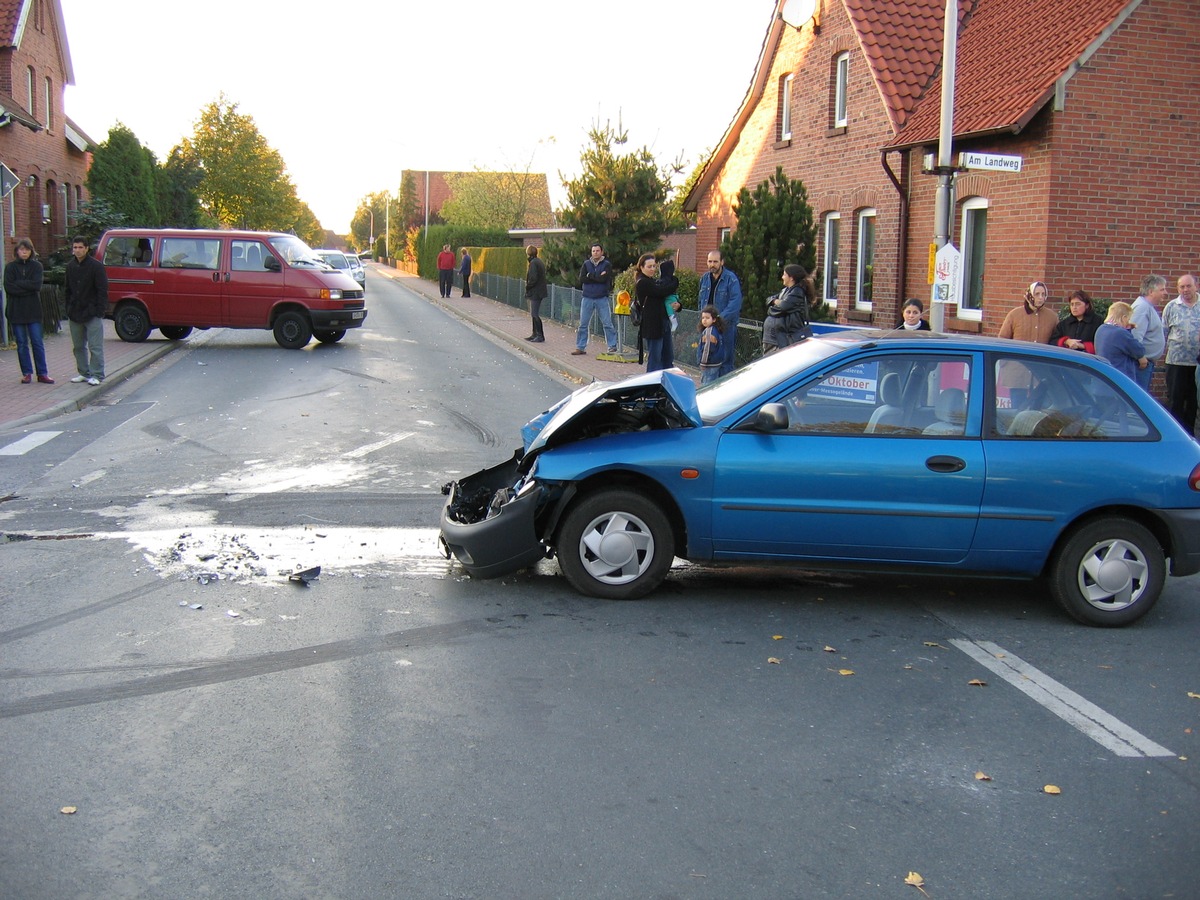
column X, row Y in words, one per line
column 1108, row 572
column 615, row 544
column 292, row 331
column 330, row 337
column 175, row 332
column 131, row 322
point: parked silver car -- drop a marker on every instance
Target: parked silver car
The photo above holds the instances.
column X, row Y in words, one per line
column 345, row 262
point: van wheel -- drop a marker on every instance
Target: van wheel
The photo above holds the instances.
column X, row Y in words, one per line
column 330, row 337
column 292, row 331
column 132, row 323
column 175, row 332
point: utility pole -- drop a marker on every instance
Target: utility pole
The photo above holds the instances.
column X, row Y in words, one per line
column 387, row 227
column 944, row 208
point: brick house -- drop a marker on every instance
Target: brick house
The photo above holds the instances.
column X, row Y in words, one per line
column 436, row 188
column 1100, row 99
column 38, row 141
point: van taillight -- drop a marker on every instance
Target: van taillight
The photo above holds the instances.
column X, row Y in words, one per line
column 1194, row 478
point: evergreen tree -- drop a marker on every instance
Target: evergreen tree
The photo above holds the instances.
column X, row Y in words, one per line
column 177, row 181
column 123, row 174
column 619, row 200
column 774, row 228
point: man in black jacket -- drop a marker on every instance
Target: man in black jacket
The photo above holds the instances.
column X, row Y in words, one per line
column 87, row 302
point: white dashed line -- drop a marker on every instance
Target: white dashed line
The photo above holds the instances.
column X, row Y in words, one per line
column 1062, row 701
column 29, row 442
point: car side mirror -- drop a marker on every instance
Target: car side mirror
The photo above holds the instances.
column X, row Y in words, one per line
column 271, row 264
column 772, row 417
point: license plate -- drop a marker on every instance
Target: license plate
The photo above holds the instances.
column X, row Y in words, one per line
column 357, row 315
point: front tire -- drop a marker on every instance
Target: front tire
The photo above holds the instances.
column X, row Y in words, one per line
column 1108, row 572
column 616, row 545
column 292, row 330
column 330, row 337
column 175, row 332
column 132, row 323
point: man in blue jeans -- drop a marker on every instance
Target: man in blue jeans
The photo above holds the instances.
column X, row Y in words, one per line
column 597, row 278
column 721, row 288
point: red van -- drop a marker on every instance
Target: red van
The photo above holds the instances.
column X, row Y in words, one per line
column 179, row 279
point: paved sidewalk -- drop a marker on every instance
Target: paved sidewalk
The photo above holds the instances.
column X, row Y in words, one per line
column 25, row 404
column 512, row 325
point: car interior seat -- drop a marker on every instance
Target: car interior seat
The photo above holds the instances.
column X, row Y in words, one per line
column 950, row 408
column 890, row 411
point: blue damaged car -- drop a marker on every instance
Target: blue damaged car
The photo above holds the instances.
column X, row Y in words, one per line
column 877, row 451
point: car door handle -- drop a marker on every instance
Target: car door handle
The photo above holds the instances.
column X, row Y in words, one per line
column 945, row 464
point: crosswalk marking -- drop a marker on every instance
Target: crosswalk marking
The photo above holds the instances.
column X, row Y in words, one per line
column 30, row 442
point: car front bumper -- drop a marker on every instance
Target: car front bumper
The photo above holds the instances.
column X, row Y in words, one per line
column 335, row 319
column 490, row 530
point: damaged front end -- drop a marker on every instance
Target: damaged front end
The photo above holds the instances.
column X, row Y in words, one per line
column 499, row 519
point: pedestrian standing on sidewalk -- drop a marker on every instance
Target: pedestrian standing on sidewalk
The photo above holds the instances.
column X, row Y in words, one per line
column 23, row 289
column 535, row 293
column 87, row 303
column 710, row 349
column 597, row 278
column 445, row 265
column 465, row 271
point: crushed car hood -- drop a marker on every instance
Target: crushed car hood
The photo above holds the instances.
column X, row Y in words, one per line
column 652, row 401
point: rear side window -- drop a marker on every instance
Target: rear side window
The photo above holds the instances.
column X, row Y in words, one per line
column 129, row 251
column 1052, row 400
column 190, row 253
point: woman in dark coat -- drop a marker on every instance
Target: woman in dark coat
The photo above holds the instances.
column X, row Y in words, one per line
column 650, row 292
column 23, row 288
column 787, row 314
column 1078, row 330
column 911, row 316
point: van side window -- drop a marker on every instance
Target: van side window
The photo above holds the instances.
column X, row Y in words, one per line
column 190, row 253
column 129, row 251
column 248, row 256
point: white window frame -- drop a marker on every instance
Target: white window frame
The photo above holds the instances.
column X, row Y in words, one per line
column 49, row 105
column 29, row 89
column 860, row 269
column 966, row 245
column 841, row 65
column 785, row 112
column 723, row 236
column 831, row 257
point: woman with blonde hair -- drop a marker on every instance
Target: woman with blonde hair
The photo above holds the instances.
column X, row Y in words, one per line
column 1116, row 343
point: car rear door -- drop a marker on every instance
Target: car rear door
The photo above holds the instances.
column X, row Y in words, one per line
column 837, row 485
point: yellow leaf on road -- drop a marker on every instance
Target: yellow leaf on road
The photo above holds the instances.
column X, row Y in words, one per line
column 1052, row 789
column 829, row 649
column 777, row 637
column 1194, row 695
column 982, row 776
column 68, row 810
column 933, row 644
column 845, row 671
column 773, row 660
column 915, row 879
column 975, row 682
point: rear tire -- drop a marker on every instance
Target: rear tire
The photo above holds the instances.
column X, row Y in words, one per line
column 330, row 337
column 615, row 544
column 1108, row 572
column 132, row 323
column 292, row 330
column 175, row 332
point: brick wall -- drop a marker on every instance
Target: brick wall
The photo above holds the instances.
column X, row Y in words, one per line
column 57, row 168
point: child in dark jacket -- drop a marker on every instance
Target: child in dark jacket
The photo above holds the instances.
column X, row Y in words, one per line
column 711, row 348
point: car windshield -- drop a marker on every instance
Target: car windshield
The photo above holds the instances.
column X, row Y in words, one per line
column 721, row 397
column 334, row 258
column 296, row 252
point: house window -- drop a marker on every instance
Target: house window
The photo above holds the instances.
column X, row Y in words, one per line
column 723, row 235
column 841, row 79
column 785, row 108
column 974, row 252
column 29, row 91
column 49, row 106
column 833, row 229
column 864, row 285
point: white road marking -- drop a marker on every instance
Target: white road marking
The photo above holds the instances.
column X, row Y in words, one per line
column 29, row 442
column 1062, row 701
column 378, row 445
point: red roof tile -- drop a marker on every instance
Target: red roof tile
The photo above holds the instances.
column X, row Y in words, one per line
column 1010, row 54
column 902, row 43
column 10, row 14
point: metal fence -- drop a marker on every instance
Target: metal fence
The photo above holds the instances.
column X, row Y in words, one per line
column 563, row 305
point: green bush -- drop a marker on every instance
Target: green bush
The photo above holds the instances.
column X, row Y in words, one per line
column 510, row 262
column 430, row 242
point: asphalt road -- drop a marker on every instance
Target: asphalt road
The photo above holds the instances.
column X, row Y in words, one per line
column 397, row 729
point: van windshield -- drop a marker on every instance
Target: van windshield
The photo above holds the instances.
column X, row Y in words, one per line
column 296, row 252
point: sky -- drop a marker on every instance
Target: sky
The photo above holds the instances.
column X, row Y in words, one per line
column 352, row 93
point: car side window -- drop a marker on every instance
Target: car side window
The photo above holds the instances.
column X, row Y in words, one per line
column 190, row 253
column 1048, row 399
column 129, row 251
column 248, row 256
column 911, row 395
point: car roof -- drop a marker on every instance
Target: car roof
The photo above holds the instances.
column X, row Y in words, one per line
column 900, row 338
